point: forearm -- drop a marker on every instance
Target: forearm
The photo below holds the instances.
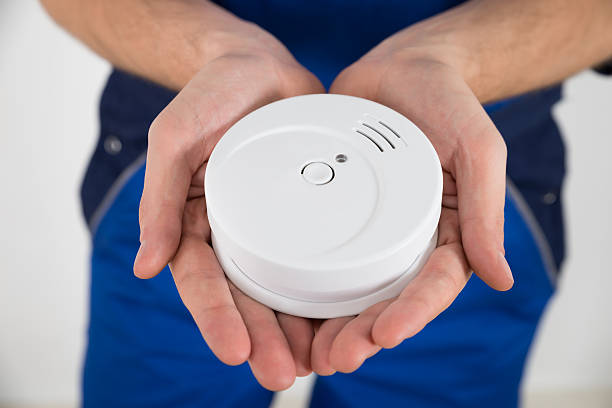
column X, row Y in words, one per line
column 164, row 41
column 504, row 48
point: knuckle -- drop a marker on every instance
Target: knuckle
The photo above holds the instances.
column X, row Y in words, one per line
column 449, row 283
column 160, row 126
column 420, row 302
column 174, row 132
column 360, row 79
column 398, row 63
column 481, row 140
column 267, row 67
column 498, row 146
column 167, row 123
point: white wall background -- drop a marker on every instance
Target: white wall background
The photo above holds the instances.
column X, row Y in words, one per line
column 49, row 89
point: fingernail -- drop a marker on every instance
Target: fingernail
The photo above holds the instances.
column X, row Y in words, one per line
column 506, row 267
column 301, row 370
column 138, row 255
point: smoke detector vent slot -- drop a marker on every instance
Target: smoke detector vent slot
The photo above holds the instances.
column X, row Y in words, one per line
column 379, row 133
column 390, row 129
column 362, row 133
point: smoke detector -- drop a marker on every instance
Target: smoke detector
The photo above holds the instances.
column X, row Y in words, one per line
column 323, row 205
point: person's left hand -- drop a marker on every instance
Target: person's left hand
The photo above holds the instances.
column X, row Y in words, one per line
column 424, row 85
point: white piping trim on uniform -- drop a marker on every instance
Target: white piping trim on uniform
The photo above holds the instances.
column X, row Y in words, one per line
column 536, row 231
column 114, row 190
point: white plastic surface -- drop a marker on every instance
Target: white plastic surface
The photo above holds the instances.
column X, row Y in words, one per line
column 333, row 239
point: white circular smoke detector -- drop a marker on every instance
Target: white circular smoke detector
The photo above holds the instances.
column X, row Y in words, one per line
column 323, row 205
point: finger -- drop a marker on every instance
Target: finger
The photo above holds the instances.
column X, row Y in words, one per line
column 449, row 266
column 299, row 334
column 271, row 360
column 354, row 343
column 172, row 158
column 450, row 201
column 196, row 188
column 480, row 172
column 448, row 183
column 322, row 344
column 431, row 292
column 203, row 289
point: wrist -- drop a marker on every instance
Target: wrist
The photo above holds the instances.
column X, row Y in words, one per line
column 465, row 40
column 246, row 43
column 502, row 48
column 434, row 45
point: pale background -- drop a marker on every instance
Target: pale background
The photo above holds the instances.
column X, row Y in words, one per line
column 49, row 89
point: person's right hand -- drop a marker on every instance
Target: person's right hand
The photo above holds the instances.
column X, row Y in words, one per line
column 173, row 222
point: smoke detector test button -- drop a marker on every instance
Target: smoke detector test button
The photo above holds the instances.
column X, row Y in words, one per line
column 318, row 173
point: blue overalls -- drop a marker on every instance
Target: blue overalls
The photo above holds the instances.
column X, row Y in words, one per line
column 144, row 349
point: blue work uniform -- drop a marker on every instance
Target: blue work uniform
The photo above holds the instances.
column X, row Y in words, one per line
column 144, row 349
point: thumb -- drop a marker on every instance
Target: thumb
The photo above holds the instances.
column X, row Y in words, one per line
column 171, row 163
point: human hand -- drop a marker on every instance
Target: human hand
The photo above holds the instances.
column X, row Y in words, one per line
column 174, row 226
column 424, row 85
